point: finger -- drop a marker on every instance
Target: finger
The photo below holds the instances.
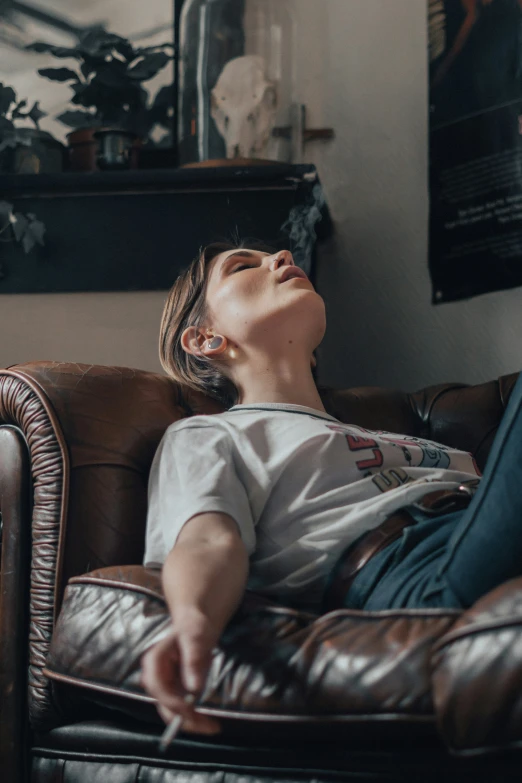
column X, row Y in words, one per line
column 150, row 677
column 195, row 662
column 150, row 660
column 200, row 724
column 164, row 713
column 169, row 708
column 160, row 674
column 195, row 723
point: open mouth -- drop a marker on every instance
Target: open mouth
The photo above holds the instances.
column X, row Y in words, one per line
column 294, row 275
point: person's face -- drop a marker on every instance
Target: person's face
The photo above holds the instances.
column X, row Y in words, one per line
column 250, row 305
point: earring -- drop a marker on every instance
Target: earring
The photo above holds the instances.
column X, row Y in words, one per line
column 212, row 343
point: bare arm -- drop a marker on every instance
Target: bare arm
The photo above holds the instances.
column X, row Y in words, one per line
column 207, row 570
column 204, row 579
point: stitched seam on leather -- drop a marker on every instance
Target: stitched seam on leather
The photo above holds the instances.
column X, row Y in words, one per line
column 151, row 762
column 96, row 686
column 355, row 613
column 114, row 583
column 242, row 715
column 132, row 587
column 24, row 403
column 500, row 387
column 473, row 630
column 447, row 388
column 60, row 439
column 379, row 614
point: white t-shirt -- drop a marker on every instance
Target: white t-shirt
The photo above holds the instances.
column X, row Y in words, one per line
column 300, row 484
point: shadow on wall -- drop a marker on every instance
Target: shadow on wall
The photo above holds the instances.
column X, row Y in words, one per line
column 382, row 329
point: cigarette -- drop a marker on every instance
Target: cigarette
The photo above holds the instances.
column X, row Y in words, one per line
column 174, row 726
column 169, row 733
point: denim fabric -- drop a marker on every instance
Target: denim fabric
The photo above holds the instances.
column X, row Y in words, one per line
column 452, row 560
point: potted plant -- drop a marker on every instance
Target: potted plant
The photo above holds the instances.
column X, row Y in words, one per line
column 17, row 227
column 25, row 150
column 107, row 85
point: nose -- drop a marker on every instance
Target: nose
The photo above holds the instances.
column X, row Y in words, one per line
column 284, row 257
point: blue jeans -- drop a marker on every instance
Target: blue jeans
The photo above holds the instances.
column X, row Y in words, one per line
column 452, row 560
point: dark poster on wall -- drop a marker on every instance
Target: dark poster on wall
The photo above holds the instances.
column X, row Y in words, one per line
column 475, row 147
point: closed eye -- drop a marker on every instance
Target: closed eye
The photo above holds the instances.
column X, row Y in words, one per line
column 243, row 266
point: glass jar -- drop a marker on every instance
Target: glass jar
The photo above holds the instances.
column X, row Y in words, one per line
column 236, row 81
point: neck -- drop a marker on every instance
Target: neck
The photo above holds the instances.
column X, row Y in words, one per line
column 284, row 384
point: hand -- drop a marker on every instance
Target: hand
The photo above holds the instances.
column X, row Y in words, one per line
column 178, row 665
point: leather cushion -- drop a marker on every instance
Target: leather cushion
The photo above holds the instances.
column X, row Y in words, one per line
column 477, row 675
column 272, row 662
column 106, row 750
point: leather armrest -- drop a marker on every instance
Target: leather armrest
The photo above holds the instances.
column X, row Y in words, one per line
column 477, row 674
column 272, row 662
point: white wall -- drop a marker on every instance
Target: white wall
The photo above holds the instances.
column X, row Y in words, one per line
column 382, row 328
column 111, row 328
column 366, row 78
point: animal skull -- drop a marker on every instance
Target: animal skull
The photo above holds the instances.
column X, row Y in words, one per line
column 243, row 106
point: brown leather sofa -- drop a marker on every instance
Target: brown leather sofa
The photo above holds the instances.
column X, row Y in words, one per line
column 348, row 696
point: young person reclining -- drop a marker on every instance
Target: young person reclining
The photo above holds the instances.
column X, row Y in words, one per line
column 269, row 493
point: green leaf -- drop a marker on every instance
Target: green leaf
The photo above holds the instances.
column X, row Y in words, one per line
column 57, row 51
column 143, row 98
column 164, row 97
column 58, row 74
column 112, row 76
column 39, row 46
column 77, row 119
column 26, row 228
column 99, row 42
column 17, row 111
column 7, row 97
column 126, row 50
column 147, row 49
column 36, row 113
column 149, row 66
column 87, row 95
column 5, row 124
column 19, row 225
column 35, row 231
column 87, row 67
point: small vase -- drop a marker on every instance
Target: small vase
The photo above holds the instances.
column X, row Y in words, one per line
column 84, row 146
column 115, row 149
column 32, row 152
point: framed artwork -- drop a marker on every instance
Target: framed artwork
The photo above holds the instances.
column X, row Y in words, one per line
column 475, row 147
column 60, row 26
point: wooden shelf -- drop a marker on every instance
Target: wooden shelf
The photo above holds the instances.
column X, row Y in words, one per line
column 137, row 230
column 151, row 180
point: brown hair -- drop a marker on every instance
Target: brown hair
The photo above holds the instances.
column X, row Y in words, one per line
column 186, row 306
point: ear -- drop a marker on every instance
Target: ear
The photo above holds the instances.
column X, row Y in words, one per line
column 192, row 341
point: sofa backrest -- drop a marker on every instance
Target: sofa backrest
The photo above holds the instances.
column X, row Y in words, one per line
column 103, row 424
column 92, row 433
